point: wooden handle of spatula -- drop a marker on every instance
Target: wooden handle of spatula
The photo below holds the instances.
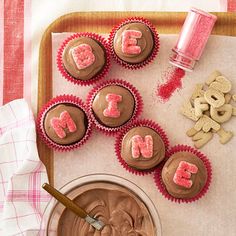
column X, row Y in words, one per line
column 68, row 203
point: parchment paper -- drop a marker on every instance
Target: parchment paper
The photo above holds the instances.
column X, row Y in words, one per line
column 215, row 213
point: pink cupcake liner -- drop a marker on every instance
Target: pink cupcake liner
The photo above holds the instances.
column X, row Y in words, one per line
column 139, row 123
column 100, row 75
column 109, row 131
column 158, row 179
column 57, row 100
column 154, row 51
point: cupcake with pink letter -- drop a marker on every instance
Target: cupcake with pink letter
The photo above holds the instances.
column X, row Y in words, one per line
column 185, row 176
column 134, row 43
column 83, row 58
column 113, row 105
column 63, row 123
column 141, row 146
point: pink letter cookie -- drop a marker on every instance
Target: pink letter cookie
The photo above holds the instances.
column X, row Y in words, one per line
column 59, row 124
column 145, row 147
column 129, row 42
column 112, row 109
column 83, row 56
column 183, row 174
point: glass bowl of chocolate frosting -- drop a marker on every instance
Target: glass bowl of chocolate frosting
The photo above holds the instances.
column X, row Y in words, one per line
column 125, row 209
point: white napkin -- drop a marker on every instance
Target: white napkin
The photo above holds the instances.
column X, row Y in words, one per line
column 22, row 200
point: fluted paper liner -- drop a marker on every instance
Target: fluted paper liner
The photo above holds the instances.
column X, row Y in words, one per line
column 68, row 99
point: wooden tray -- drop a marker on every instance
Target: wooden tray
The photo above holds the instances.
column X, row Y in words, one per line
column 102, row 22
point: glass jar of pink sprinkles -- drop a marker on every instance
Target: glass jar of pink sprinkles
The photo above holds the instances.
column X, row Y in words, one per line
column 192, row 39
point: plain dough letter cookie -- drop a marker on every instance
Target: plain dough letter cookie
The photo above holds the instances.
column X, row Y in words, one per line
column 205, row 123
column 221, row 114
column 200, row 105
column 225, row 136
column 228, row 97
column 214, row 97
column 212, row 77
column 234, row 97
column 198, row 92
column 188, row 111
column 191, row 132
column 201, row 138
column 221, row 84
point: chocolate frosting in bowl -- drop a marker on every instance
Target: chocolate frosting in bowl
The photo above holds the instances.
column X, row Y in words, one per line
column 122, row 211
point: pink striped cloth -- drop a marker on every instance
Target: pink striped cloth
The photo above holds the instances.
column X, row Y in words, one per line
column 22, row 200
column 231, row 5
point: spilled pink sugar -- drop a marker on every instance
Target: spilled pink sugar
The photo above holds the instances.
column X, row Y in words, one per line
column 173, row 78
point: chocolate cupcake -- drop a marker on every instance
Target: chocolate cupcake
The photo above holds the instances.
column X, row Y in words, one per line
column 83, row 58
column 114, row 104
column 63, row 123
column 122, row 109
column 185, row 176
column 134, row 43
column 141, row 146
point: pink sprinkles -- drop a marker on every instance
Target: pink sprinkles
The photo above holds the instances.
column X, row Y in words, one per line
column 140, row 146
column 83, row 56
column 112, row 109
column 129, row 42
column 183, row 174
column 173, row 78
column 59, row 124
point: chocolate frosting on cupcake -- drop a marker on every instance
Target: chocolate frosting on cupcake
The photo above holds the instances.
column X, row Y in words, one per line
column 142, row 162
column 146, row 43
column 125, row 106
column 78, row 117
column 90, row 71
column 198, row 179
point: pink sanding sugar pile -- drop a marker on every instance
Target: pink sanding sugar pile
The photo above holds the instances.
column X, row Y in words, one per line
column 173, row 78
